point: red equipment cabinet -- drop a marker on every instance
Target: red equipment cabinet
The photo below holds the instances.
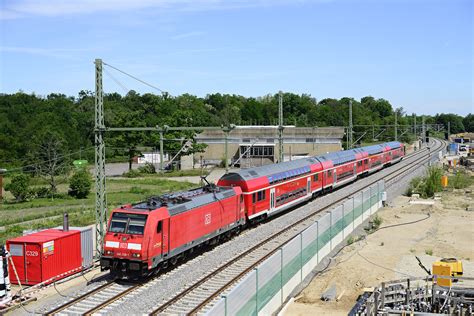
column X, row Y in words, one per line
column 45, row 256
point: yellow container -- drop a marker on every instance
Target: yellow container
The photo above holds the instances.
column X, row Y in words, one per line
column 444, row 181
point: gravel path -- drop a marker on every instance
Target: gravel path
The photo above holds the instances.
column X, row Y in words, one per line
column 170, row 283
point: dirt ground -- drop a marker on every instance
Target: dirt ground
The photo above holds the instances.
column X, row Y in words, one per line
column 389, row 253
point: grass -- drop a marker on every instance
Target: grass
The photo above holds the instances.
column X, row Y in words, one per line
column 82, row 218
column 460, row 180
column 185, row 173
column 119, row 191
column 377, row 222
column 429, row 252
column 352, row 240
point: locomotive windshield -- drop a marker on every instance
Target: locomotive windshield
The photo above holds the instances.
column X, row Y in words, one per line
column 126, row 223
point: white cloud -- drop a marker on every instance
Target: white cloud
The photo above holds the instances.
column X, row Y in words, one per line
column 53, row 8
column 187, row 35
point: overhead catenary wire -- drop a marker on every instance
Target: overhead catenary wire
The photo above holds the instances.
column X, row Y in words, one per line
column 121, row 85
column 134, row 77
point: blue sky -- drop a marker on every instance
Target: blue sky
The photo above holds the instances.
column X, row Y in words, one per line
column 418, row 54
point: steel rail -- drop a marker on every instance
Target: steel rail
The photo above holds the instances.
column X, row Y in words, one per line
column 112, row 300
column 397, row 172
column 79, row 299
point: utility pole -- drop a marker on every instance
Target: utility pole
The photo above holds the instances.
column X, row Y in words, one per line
column 226, row 130
column 396, row 135
column 280, row 125
column 226, row 138
column 99, row 130
column 423, row 129
column 414, row 124
column 350, row 125
column 161, row 152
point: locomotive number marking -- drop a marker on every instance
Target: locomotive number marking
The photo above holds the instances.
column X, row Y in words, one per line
column 30, row 253
column 207, row 219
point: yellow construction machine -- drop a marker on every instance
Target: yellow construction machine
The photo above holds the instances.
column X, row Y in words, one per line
column 451, row 267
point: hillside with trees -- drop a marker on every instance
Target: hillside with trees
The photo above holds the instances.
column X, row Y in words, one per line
column 37, row 131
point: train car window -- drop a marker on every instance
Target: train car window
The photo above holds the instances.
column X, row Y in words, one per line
column 241, row 199
column 136, row 226
column 159, row 227
column 128, row 223
column 366, row 161
column 118, row 224
column 261, row 195
column 315, row 177
column 329, row 173
column 254, row 198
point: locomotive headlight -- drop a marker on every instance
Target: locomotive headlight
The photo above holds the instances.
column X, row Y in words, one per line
column 136, row 255
column 109, row 252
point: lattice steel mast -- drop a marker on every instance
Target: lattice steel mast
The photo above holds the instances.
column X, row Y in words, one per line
column 99, row 130
column 280, row 126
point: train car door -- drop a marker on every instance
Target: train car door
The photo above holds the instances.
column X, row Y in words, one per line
column 272, row 199
column 308, row 186
column 165, row 236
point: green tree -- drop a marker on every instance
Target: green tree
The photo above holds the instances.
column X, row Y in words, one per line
column 49, row 157
column 468, row 123
column 19, row 187
column 80, row 184
column 456, row 122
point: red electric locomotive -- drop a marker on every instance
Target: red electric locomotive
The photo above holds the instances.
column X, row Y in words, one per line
column 144, row 237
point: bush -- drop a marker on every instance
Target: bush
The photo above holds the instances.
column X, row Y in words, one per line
column 433, row 182
column 460, row 180
column 80, row 184
column 41, row 192
column 428, row 185
column 148, row 168
column 19, row 187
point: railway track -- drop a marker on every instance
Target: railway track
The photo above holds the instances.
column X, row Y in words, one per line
column 92, row 301
column 199, row 294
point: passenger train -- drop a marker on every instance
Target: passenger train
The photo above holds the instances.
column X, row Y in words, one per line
column 142, row 238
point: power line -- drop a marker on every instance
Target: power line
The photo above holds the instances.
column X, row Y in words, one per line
column 125, row 89
column 136, row 78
